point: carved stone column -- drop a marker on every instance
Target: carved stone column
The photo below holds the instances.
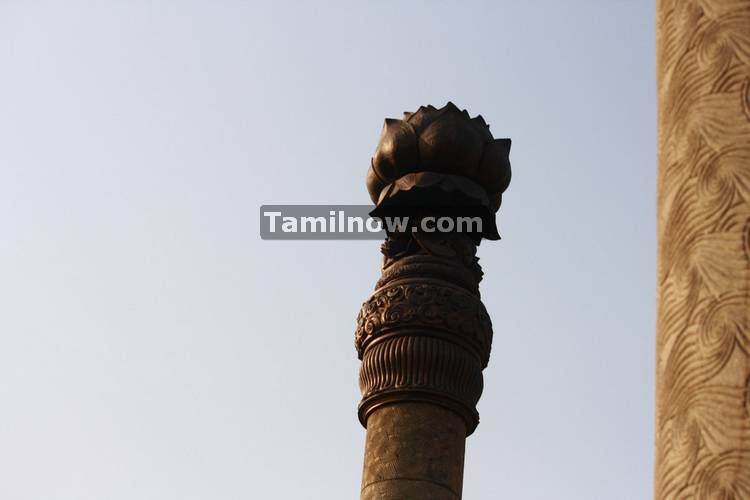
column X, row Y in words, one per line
column 703, row 338
column 424, row 335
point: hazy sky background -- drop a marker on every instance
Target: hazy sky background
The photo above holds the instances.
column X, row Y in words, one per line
column 154, row 347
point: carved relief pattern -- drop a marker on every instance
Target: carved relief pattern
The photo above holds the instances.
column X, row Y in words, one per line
column 426, row 305
column 703, row 334
column 424, row 334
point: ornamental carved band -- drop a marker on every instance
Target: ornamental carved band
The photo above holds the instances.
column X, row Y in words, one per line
column 703, row 327
column 426, row 342
column 424, row 334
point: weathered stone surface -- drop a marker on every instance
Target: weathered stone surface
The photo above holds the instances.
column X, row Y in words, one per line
column 414, row 451
column 703, row 329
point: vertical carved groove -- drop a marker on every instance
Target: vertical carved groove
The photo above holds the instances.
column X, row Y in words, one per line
column 397, row 368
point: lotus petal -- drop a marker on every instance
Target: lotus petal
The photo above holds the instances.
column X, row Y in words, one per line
column 494, row 171
column 397, row 151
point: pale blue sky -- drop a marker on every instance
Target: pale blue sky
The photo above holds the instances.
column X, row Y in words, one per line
column 153, row 347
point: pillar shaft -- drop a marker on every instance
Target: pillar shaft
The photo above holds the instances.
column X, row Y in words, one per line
column 423, row 341
column 703, row 324
column 424, row 335
column 413, row 450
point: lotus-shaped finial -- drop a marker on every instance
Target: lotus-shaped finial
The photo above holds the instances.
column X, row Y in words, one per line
column 445, row 141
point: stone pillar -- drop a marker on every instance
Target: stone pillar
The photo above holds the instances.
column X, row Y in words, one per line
column 424, row 335
column 703, row 324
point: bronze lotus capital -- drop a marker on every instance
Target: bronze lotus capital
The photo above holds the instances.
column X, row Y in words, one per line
column 443, row 142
